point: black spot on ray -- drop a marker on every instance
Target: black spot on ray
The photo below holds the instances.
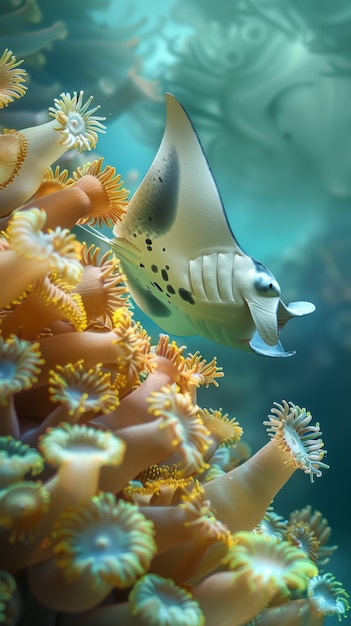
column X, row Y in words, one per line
column 164, row 274
column 157, row 286
column 186, row 295
column 148, row 301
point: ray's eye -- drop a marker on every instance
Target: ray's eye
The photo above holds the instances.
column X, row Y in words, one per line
column 266, row 285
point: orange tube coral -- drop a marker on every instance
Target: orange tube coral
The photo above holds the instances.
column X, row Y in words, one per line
column 95, row 196
column 241, row 496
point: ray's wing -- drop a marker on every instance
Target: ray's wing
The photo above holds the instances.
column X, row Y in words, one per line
column 178, row 200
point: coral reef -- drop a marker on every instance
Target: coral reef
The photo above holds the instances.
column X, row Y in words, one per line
column 122, row 500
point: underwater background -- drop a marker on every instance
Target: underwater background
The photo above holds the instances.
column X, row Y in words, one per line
column 267, row 84
column 286, row 191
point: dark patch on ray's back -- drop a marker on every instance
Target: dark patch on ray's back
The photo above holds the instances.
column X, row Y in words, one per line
column 151, row 304
column 158, row 195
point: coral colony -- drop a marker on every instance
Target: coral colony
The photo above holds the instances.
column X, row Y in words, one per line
column 122, row 500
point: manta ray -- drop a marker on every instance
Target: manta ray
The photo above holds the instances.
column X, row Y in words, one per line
column 183, row 264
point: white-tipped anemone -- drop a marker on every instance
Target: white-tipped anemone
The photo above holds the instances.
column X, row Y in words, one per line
column 74, row 126
column 76, row 122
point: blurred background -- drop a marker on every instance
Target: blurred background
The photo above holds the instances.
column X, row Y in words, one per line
column 267, row 84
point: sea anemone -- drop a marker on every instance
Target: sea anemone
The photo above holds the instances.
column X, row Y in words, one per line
column 318, row 528
column 270, row 560
column 11, row 78
column 53, row 180
column 327, row 596
column 55, row 249
column 82, row 389
column 102, row 286
column 134, row 347
column 260, row 568
column 22, row 507
column 20, row 364
column 192, row 435
column 160, row 602
column 114, row 348
column 242, row 496
column 113, row 196
column 79, row 452
column 223, row 430
column 92, row 196
column 98, row 546
column 33, row 254
column 165, row 483
column 196, row 371
column 47, row 302
column 77, row 124
column 17, row 460
column 273, row 525
column 74, row 126
column 291, row 429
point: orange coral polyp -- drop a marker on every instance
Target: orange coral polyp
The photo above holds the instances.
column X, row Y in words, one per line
column 82, row 389
column 17, row 460
column 320, row 529
column 192, row 436
column 260, row 568
column 79, row 452
column 20, row 364
column 112, row 539
column 56, row 248
column 48, row 301
column 22, row 507
column 159, row 601
column 105, row 190
column 102, row 285
column 270, row 561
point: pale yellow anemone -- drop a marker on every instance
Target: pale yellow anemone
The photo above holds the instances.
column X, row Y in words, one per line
column 12, row 78
column 34, row 149
column 98, row 545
